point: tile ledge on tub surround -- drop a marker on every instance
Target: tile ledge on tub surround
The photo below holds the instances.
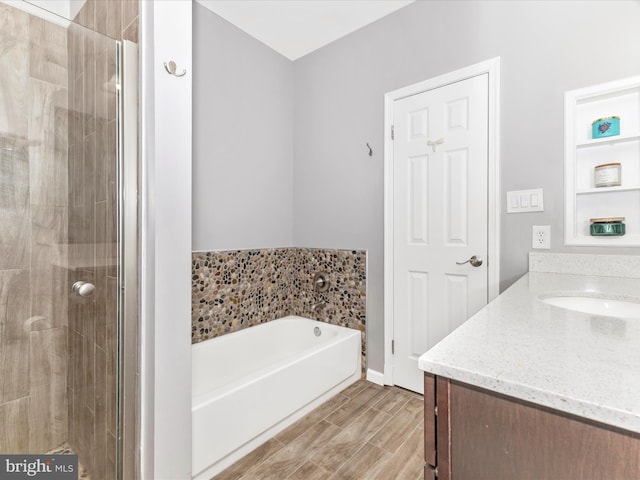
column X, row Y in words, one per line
column 623, row 266
column 223, row 250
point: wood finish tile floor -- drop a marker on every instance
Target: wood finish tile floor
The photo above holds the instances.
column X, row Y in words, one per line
column 366, row 432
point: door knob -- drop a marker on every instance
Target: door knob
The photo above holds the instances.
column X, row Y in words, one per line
column 83, row 289
column 474, row 261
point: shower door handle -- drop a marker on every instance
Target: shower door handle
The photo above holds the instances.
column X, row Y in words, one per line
column 474, row 261
column 83, row 289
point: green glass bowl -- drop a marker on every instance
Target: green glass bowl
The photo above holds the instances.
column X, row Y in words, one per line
column 607, row 229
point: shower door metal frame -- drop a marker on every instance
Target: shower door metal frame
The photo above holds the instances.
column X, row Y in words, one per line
column 128, row 365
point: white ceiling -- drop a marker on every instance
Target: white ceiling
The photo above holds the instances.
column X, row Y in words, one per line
column 291, row 27
column 297, row 27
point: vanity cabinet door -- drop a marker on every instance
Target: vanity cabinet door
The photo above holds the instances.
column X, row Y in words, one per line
column 494, row 437
column 429, row 421
column 437, row 447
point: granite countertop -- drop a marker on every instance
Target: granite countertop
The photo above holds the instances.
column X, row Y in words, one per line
column 578, row 363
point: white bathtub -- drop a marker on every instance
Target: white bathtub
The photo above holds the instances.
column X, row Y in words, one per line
column 251, row 384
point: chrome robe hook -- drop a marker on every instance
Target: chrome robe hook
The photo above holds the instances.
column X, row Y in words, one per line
column 171, row 69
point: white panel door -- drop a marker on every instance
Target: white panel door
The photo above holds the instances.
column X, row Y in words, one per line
column 440, row 166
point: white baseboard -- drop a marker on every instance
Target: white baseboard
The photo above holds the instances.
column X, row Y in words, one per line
column 375, row 376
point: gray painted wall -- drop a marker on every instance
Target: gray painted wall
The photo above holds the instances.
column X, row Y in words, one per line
column 242, row 139
column 245, row 187
column 546, row 48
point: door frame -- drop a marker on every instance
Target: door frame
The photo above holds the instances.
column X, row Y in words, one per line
column 492, row 68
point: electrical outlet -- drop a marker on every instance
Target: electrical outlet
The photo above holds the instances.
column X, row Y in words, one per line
column 541, row 236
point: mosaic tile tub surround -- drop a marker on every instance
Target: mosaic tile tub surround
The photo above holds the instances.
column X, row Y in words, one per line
column 236, row 289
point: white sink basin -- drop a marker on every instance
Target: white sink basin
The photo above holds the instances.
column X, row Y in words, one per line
column 596, row 306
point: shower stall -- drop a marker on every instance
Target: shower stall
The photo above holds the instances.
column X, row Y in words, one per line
column 68, row 275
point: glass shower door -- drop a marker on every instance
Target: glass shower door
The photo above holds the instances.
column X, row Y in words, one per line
column 58, row 240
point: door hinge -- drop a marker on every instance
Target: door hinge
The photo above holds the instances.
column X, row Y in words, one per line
column 435, row 410
column 393, row 347
column 392, row 133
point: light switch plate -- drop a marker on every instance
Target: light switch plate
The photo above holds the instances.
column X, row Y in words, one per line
column 523, row 201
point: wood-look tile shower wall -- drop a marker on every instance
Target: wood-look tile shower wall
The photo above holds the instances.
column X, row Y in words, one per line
column 93, row 229
column 33, row 219
column 58, row 213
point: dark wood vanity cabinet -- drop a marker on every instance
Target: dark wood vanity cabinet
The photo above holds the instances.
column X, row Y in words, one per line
column 475, row 434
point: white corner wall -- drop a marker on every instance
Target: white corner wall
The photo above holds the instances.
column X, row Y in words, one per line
column 166, row 241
